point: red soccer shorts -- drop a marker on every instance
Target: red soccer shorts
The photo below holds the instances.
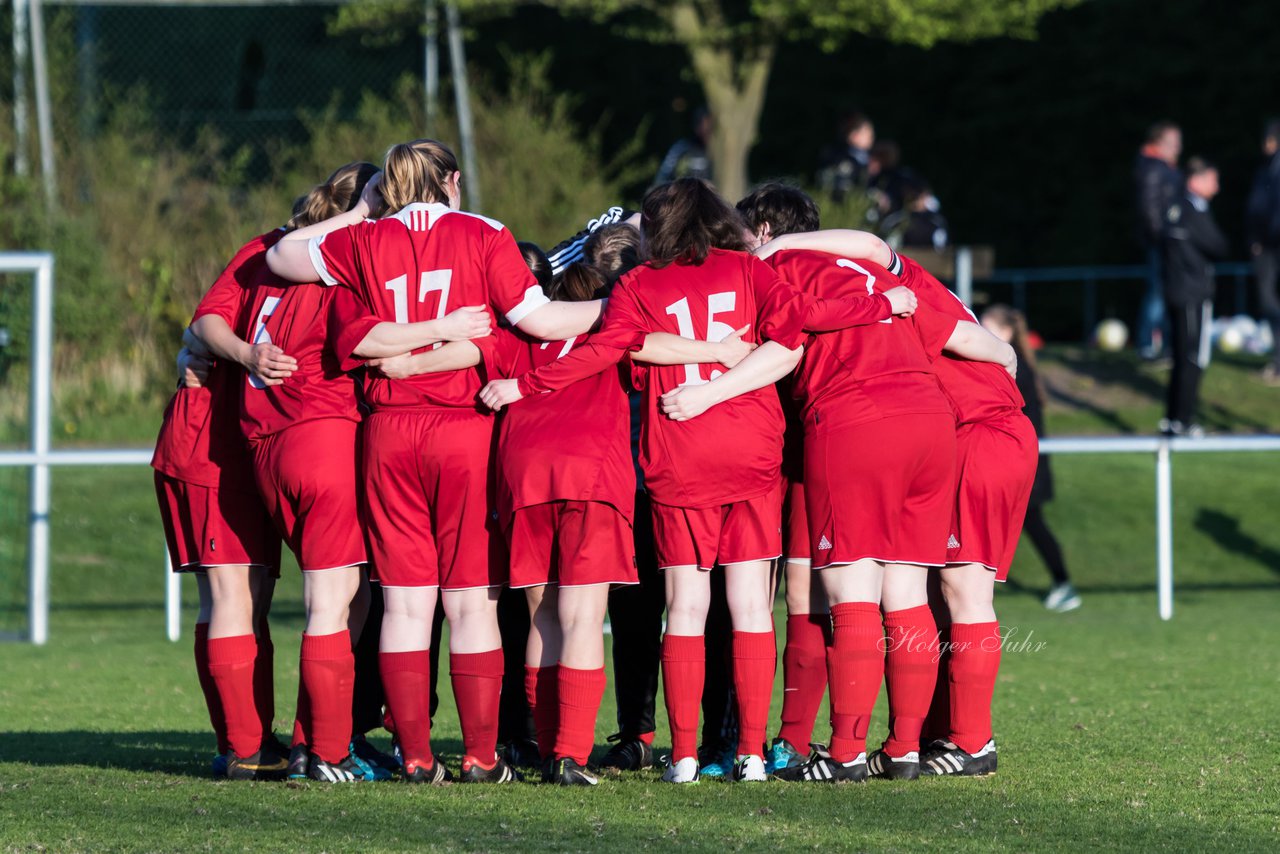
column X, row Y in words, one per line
column 881, row 490
column 795, row 524
column 571, row 543
column 706, row 537
column 995, row 465
column 205, row 527
column 429, row 499
column 307, row 477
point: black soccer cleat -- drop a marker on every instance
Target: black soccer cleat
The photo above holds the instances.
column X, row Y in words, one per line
column 885, row 767
column 951, row 761
column 567, row 772
column 436, row 772
column 262, row 765
column 523, row 753
column 821, row 767
column 627, row 754
column 299, row 762
column 348, row 770
column 501, row 772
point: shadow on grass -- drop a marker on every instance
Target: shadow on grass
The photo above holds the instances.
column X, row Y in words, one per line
column 1038, row 592
column 183, row 754
column 1225, row 531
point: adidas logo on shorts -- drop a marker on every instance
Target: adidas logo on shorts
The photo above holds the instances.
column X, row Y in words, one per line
column 824, row 543
column 952, row 542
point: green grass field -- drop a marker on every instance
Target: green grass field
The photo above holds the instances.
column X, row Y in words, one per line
column 1116, row 730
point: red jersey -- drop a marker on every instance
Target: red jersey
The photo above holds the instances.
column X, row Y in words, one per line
column 419, row 264
column 569, row 445
column 317, row 326
column 871, row 372
column 979, row 391
column 734, row 450
column 200, row 441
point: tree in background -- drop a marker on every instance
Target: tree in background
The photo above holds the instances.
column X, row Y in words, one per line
column 732, row 43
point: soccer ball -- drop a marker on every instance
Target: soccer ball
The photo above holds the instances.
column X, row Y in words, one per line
column 1232, row 339
column 1111, row 335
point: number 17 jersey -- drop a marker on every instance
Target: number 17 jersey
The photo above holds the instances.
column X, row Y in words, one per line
column 419, row 264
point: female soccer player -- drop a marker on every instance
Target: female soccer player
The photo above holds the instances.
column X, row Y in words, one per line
column 314, row 414
column 216, row 527
column 427, row 446
column 710, row 508
column 996, row 457
column 1009, row 324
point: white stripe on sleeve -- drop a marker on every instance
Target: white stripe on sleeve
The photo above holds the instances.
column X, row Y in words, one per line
column 534, row 298
column 317, row 260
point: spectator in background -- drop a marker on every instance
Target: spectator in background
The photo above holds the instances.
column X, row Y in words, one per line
column 1262, row 226
column 1157, row 184
column 688, row 158
column 920, row 223
column 888, row 178
column 1192, row 241
column 844, row 165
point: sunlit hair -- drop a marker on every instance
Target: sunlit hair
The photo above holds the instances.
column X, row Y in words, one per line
column 578, row 282
column 339, row 193
column 1012, row 319
column 417, row 171
column 684, row 220
column 536, row 260
column 613, row 250
column 786, row 209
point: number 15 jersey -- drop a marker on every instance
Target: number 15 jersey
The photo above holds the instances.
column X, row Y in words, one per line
column 419, row 264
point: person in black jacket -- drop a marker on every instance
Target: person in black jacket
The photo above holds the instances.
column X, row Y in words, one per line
column 1262, row 225
column 1009, row 324
column 1192, row 241
column 1158, row 184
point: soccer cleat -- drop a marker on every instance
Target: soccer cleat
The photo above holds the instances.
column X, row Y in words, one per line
column 821, row 767
column 782, row 754
column 951, row 761
column 567, row 772
column 716, row 764
column 886, row 767
column 218, row 765
column 262, row 765
column 522, row 753
column 299, row 762
column 750, row 769
column 627, row 754
column 1062, row 598
column 501, row 772
column 418, row 772
column 349, row 770
column 685, row 770
column 383, row 766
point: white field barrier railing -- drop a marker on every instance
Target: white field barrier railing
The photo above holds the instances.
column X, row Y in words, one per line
column 1162, row 448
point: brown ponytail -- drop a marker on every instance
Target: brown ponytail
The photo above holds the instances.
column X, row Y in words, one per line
column 1011, row 318
column 417, row 171
column 337, row 194
column 578, row 282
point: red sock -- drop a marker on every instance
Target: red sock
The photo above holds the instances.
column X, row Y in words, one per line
column 911, row 669
column 329, row 674
column 477, row 688
column 646, row 737
column 580, row 694
column 755, row 661
column 684, row 670
column 855, row 663
column 804, row 675
column 264, row 679
column 975, row 661
column 231, row 666
column 937, row 725
column 210, row 690
column 541, row 690
column 406, row 679
column 302, row 717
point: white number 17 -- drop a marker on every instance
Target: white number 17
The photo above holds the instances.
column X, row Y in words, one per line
column 431, row 281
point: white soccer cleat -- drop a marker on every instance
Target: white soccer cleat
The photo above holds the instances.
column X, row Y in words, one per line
column 750, row 769
column 682, row 771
